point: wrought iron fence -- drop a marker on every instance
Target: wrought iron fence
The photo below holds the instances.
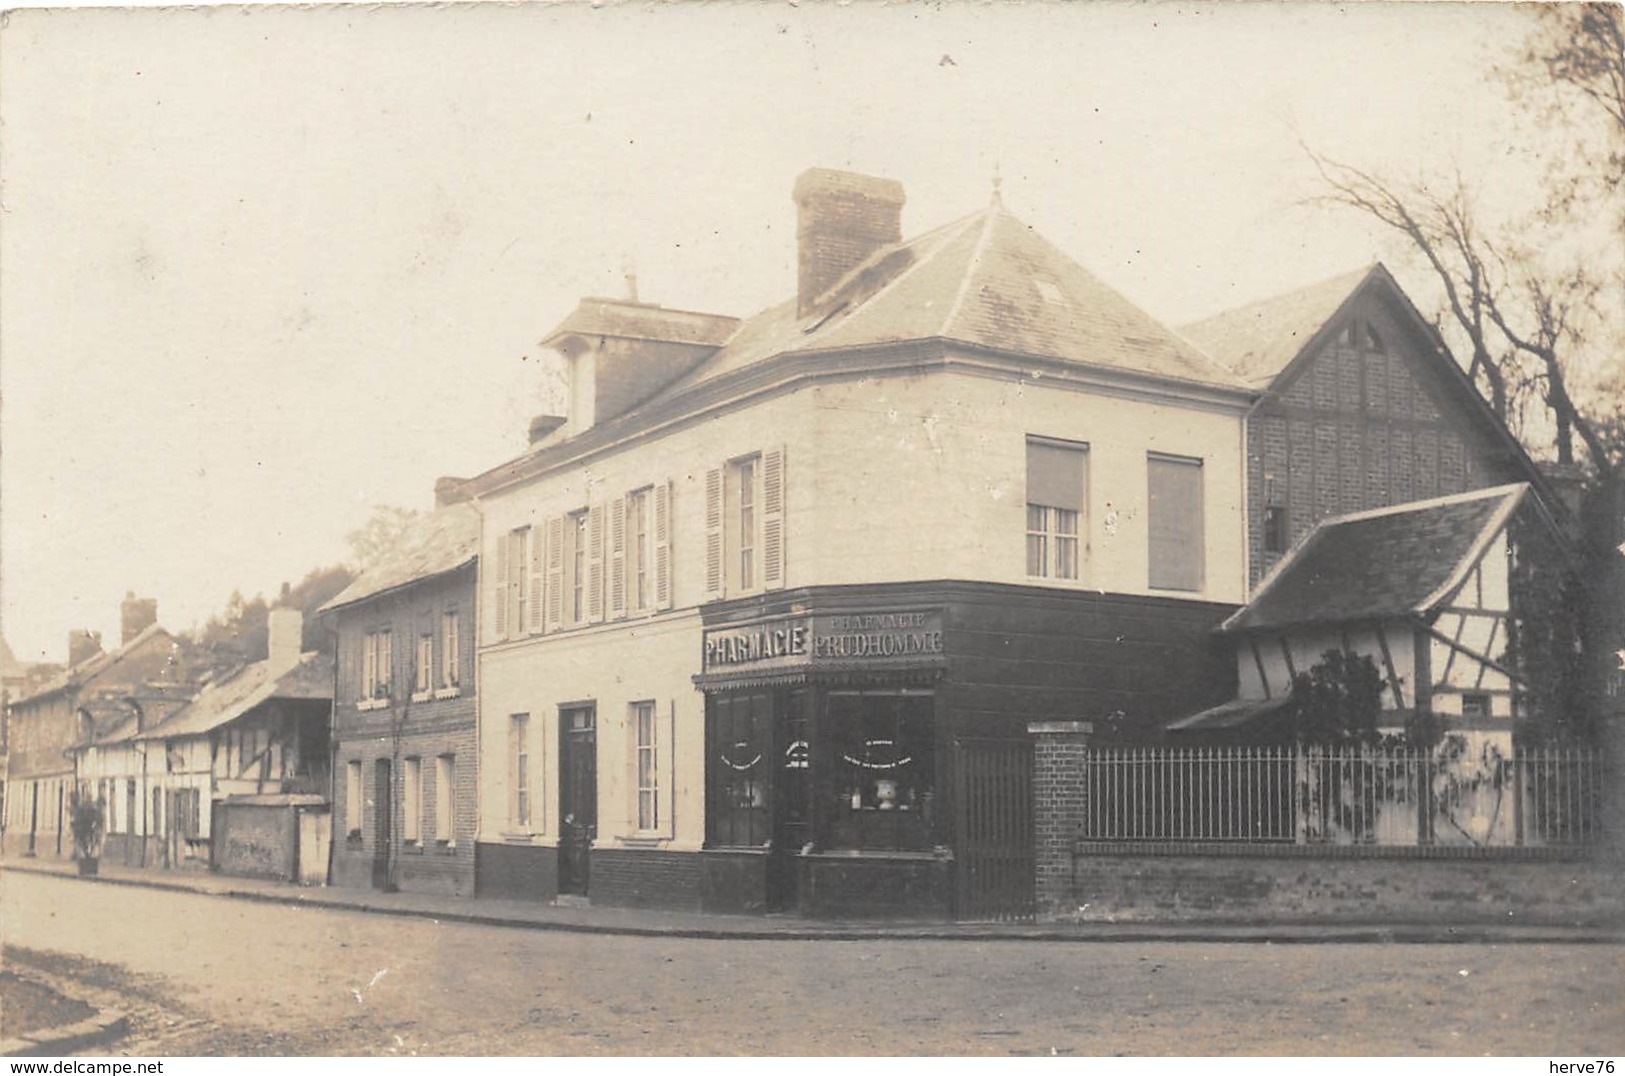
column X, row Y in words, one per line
column 1462, row 793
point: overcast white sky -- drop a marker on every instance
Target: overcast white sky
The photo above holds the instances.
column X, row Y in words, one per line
column 262, row 269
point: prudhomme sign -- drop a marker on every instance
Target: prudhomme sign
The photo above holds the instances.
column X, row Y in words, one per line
column 890, row 637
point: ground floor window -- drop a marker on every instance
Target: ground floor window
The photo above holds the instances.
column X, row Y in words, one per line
column 737, row 769
column 835, row 769
column 884, row 768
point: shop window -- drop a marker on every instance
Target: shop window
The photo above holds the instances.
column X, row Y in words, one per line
column 1056, row 478
column 1174, row 522
column 883, row 769
column 737, row 770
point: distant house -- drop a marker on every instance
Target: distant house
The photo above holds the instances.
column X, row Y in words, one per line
column 1425, row 590
column 1361, row 406
column 89, row 699
column 404, row 711
column 238, row 778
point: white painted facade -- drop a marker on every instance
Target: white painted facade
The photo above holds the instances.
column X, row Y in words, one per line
column 904, row 475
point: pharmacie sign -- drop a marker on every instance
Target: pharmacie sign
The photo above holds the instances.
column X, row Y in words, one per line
column 831, row 638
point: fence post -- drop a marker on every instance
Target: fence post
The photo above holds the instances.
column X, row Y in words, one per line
column 1060, row 805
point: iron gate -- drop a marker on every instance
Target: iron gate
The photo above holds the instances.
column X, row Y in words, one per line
column 994, row 852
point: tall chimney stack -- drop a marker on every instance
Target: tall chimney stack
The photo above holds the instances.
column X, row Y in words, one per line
column 841, row 219
column 449, row 490
column 83, row 645
column 136, row 615
column 285, row 629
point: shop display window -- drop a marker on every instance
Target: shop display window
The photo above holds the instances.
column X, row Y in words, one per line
column 883, row 769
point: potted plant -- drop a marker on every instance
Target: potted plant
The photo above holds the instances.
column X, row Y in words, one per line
column 87, row 825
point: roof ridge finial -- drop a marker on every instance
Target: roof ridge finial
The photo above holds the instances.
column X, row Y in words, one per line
column 997, row 201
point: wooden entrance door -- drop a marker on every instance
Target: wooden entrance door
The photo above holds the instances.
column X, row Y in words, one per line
column 383, row 814
column 578, row 795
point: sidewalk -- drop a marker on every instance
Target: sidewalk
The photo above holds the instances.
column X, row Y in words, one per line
column 649, row 923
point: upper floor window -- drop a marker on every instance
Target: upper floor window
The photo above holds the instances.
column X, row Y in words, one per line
column 450, row 650
column 1174, row 522
column 742, row 497
column 377, row 660
column 1275, row 528
column 423, row 680
column 575, row 564
column 640, row 568
column 744, row 524
column 1057, row 477
column 516, row 596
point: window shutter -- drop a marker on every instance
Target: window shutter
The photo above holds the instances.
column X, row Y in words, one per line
column 538, row 573
column 662, row 525
column 499, row 588
column 555, row 573
column 713, row 533
column 773, row 518
column 617, row 558
column 595, row 563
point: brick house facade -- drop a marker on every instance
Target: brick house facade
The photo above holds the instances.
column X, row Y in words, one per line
column 405, row 760
column 1360, row 407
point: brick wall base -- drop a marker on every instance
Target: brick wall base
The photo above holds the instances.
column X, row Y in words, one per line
column 644, row 878
column 1301, row 889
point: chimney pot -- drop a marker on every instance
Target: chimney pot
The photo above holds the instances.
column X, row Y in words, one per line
column 841, row 219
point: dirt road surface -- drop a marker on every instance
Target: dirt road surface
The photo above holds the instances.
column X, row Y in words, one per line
column 209, row 975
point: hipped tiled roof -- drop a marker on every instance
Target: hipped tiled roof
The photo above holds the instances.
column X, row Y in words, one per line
column 1259, row 340
column 446, row 539
column 988, row 281
column 1378, row 565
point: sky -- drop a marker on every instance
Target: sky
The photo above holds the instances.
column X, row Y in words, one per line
column 263, row 269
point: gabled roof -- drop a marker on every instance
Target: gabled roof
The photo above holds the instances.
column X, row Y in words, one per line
column 10, row 667
column 1258, row 341
column 988, row 281
column 95, row 665
column 443, row 541
column 1383, row 564
column 226, row 700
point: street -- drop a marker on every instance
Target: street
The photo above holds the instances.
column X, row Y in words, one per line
column 208, row 975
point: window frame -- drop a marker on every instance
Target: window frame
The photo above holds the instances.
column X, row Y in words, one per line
column 1057, row 535
column 576, row 604
column 423, row 678
column 355, row 799
column 1160, row 577
column 521, row 805
column 445, row 799
column 644, row 717
column 742, row 524
column 640, row 560
column 412, row 800
column 451, row 649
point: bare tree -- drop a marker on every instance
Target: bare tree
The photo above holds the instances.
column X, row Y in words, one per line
column 1521, row 324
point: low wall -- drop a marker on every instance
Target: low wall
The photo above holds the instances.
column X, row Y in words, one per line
column 256, row 841
column 1093, row 881
column 1240, row 888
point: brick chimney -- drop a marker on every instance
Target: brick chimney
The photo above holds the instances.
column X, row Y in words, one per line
column 449, row 490
column 285, row 630
column 135, row 616
column 841, row 219
column 83, row 645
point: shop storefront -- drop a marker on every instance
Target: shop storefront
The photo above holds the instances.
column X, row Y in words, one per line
column 824, row 752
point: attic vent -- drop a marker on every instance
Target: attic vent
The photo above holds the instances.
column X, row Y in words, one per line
column 1373, row 342
column 1049, row 292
